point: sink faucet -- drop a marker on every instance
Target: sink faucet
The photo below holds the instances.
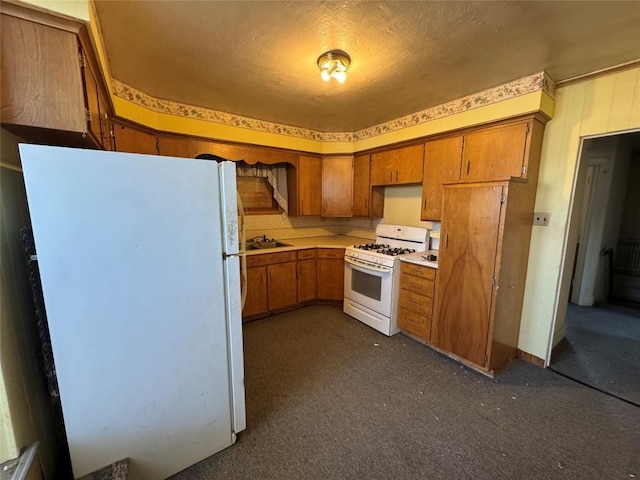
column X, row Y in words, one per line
column 259, row 238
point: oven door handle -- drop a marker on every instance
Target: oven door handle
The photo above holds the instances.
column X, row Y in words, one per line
column 381, row 270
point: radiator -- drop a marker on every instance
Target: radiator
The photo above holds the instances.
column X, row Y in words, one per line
column 628, row 256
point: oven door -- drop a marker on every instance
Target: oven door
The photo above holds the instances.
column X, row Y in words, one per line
column 369, row 285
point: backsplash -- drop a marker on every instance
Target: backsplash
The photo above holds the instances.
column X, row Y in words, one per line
column 284, row 227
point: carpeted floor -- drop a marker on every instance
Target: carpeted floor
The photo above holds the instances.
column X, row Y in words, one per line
column 602, row 349
column 330, row 398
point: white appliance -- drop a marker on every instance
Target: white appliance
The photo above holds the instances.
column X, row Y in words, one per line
column 139, row 263
column 371, row 275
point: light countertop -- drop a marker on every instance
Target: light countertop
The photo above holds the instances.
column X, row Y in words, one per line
column 419, row 258
column 328, row 241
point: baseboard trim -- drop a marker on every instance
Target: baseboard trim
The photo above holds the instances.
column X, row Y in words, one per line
column 532, row 359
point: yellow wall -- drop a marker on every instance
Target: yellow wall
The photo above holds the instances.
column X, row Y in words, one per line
column 605, row 105
column 73, row 8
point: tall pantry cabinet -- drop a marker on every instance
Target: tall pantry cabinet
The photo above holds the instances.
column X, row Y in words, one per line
column 484, row 250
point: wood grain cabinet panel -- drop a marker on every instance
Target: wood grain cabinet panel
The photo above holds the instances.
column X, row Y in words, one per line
column 282, row 285
column 307, row 276
column 256, row 301
column 361, row 186
column 482, row 268
column 337, row 186
column 400, row 166
column 415, row 300
column 134, row 140
column 497, row 153
column 309, row 188
column 330, row 264
column 442, row 163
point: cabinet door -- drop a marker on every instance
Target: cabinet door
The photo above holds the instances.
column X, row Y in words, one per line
column 282, row 288
column 337, row 186
column 41, row 81
column 408, row 164
column 306, row 280
column 134, row 140
column 256, row 302
column 361, row 186
column 442, row 160
column 466, row 267
column 331, row 279
column 309, row 185
column 495, row 153
column 381, row 168
column 177, row 147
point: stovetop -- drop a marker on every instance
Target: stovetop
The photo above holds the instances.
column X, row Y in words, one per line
column 384, row 249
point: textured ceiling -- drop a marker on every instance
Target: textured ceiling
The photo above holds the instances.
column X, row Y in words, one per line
column 258, row 58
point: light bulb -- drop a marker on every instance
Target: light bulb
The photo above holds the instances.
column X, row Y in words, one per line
column 325, row 76
column 340, row 76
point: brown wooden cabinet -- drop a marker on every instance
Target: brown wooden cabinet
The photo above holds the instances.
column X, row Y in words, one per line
column 337, row 186
column 415, row 300
column 271, row 283
column 484, row 249
column 306, row 199
column 400, row 166
column 330, row 273
column 367, row 201
column 442, row 161
column 282, row 285
column 131, row 139
column 307, row 275
column 256, row 302
column 507, row 150
column 42, row 91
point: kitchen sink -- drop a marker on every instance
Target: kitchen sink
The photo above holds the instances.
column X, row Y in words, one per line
column 262, row 245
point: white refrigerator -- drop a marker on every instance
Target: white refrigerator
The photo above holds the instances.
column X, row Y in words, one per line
column 139, row 263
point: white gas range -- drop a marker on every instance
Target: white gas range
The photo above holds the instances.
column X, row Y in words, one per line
column 371, row 275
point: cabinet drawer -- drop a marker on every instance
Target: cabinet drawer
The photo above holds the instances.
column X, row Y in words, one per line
column 415, row 303
column 418, row 270
column 269, row 258
column 418, row 285
column 415, row 323
column 330, row 253
column 306, row 254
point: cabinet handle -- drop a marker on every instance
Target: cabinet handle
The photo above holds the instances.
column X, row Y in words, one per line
column 396, row 175
column 391, row 176
column 424, row 203
column 468, row 166
column 446, row 240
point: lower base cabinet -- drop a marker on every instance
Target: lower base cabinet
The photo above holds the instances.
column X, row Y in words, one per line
column 330, row 273
column 415, row 300
column 284, row 280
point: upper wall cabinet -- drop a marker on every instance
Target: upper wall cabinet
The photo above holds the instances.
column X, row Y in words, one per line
column 134, row 140
column 305, row 187
column 337, row 186
column 501, row 152
column 400, row 166
column 43, row 83
column 367, row 201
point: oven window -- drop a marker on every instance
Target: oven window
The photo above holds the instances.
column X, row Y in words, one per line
column 366, row 284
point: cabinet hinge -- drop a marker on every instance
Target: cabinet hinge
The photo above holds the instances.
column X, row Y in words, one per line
column 528, row 127
column 503, row 198
column 524, row 169
column 83, row 61
column 87, row 114
column 486, row 358
column 494, row 281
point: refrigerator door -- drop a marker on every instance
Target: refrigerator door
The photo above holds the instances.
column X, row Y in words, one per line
column 130, row 253
column 231, row 245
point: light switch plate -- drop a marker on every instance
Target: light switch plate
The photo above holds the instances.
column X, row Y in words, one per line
column 541, row 218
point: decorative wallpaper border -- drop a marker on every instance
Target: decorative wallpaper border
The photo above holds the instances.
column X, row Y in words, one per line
column 516, row 88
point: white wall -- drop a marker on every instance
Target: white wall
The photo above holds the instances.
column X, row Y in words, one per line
column 600, row 106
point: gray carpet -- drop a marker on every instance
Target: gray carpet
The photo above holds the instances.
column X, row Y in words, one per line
column 602, row 349
column 330, row 398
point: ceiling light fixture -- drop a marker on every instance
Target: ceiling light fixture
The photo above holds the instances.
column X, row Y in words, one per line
column 334, row 64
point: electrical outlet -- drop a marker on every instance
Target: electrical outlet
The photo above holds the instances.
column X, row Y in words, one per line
column 541, row 218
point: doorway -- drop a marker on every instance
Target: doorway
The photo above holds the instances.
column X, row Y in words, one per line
column 601, row 346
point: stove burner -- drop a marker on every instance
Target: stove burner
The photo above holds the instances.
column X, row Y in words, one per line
column 392, row 252
column 372, row 246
